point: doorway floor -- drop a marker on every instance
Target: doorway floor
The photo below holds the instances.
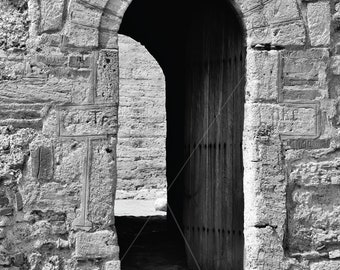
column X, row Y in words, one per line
column 154, row 248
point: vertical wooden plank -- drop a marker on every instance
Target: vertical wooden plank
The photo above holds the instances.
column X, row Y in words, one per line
column 215, row 172
column 229, row 151
column 190, row 177
column 206, row 124
column 210, row 90
column 234, row 150
column 220, row 156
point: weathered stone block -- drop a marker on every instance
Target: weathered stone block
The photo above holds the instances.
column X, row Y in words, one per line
column 307, row 143
column 299, row 120
column 61, row 194
column 112, row 265
column 258, row 28
column 24, row 95
column 82, row 36
column 264, row 77
column 51, row 59
column 290, row 120
column 87, row 120
column 51, row 15
column 292, row 34
column 110, row 22
column 117, row 7
column 319, row 20
column 263, row 248
column 314, row 218
column 267, row 205
column 256, row 19
column 281, row 11
column 299, row 94
column 79, row 61
column 102, row 181
column 335, row 65
column 84, row 15
column 69, row 157
column 108, row 77
column 325, row 265
column 334, row 254
column 304, row 74
column 315, row 173
column 42, row 163
column 82, row 90
column 247, row 6
column 96, row 3
column 108, row 40
column 97, row 245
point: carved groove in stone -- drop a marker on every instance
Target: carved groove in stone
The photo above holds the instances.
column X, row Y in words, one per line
column 82, row 221
column 87, row 120
column 298, row 120
column 94, row 65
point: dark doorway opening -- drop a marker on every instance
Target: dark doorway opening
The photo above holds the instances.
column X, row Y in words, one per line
column 200, row 47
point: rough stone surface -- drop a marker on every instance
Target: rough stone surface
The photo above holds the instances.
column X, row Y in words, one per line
column 63, row 96
column 304, row 75
column 112, row 265
column 325, row 265
column 292, row 34
column 319, row 19
column 142, row 126
column 264, row 79
column 98, row 245
column 51, row 15
column 13, row 25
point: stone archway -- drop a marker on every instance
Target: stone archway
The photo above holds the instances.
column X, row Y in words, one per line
column 256, row 228
column 62, row 94
column 205, row 98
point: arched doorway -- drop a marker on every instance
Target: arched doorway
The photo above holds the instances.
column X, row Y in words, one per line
column 200, row 47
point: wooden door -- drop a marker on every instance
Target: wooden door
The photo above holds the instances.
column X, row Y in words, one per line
column 214, row 102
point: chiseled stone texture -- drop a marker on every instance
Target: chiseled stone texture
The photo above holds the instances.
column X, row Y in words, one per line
column 304, row 74
column 59, row 82
column 97, row 245
column 13, row 25
column 319, row 20
column 142, row 123
column 112, row 265
column 52, row 12
column 313, row 222
column 103, row 169
column 263, row 73
column 325, row 265
column 277, row 22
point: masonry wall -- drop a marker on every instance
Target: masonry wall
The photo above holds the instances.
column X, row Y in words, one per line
column 59, row 107
column 51, row 216
column 292, row 86
column 142, row 124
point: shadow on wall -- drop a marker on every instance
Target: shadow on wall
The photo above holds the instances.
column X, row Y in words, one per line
column 141, row 152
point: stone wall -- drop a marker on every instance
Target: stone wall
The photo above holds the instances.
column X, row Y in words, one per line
column 59, row 106
column 58, row 139
column 142, row 124
column 291, row 136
